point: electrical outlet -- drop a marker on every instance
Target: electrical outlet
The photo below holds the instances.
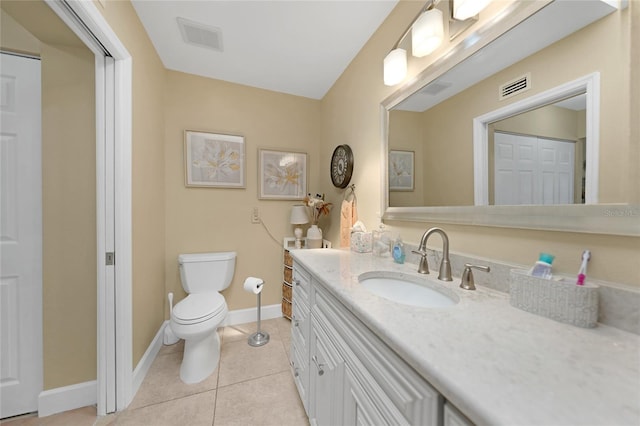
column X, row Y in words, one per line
column 255, row 215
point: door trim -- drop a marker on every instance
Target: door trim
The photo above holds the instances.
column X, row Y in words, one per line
column 113, row 131
column 590, row 84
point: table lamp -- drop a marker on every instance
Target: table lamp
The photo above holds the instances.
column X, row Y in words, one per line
column 299, row 216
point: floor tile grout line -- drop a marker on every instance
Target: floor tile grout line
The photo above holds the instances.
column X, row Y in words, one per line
column 255, row 378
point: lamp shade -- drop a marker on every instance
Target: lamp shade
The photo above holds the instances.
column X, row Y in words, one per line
column 465, row 9
column 427, row 33
column 395, row 67
column 299, row 215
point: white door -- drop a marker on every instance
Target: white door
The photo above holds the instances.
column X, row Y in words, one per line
column 532, row 170
column 20, row 236
column 556, row 171
column 516, row 168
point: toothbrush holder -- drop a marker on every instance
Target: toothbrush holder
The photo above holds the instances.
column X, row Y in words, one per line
column 562, row 301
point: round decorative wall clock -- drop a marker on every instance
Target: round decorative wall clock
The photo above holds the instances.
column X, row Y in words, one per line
column 341, row 166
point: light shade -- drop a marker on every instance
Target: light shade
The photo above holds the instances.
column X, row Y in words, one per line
column 395, row 67
column 465, row 9
column 427, row 33
column 299, row 215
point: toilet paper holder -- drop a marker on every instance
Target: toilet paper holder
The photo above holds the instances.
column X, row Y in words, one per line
column 255, row 285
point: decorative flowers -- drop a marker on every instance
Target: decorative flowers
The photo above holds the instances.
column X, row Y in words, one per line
column 317, row 207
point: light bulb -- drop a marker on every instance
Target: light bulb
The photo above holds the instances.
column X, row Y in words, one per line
column 465, row 9
column 427, row 33
column 395, row 67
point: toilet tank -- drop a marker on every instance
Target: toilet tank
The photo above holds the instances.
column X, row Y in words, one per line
column 202, row 272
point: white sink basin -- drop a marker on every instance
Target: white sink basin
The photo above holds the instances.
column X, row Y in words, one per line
column 407, row 289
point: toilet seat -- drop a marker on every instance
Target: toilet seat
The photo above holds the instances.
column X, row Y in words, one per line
column 199, row 307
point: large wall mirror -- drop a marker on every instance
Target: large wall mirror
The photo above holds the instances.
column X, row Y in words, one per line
column 528, row 131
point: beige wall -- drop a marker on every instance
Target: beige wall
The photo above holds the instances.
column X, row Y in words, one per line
column 148, row 169
column 218, row 219
column 69, row 215
column 351, row 115
column 405, row 134
column 15, row 38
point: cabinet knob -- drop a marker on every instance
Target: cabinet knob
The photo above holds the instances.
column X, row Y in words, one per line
column 296, row 281
column 319, row 366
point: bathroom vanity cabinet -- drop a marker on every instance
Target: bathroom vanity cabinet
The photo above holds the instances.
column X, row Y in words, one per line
column 360, row 359
column 346, row 375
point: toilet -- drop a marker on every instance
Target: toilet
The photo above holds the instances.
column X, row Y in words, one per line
column 197, row 317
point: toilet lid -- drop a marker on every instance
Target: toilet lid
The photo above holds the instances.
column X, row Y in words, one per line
column 199, row 307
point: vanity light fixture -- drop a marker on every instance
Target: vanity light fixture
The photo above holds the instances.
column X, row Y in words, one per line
column 395, row 67
column 427, row 32
column 465, row 9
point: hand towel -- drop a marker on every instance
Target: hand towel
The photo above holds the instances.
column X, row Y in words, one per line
column 348, row 216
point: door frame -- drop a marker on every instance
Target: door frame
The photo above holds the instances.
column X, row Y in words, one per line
column 589, row 84
column 114, row 199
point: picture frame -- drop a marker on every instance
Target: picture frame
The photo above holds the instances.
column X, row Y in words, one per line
column 282, row 175
column 401, row 170
column 214, row 160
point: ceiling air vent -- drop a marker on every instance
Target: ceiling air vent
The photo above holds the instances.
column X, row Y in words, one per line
column 513, row 87
column 200, row 34
column 435, row 87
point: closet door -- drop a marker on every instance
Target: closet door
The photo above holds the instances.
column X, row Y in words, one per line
column 20, row 236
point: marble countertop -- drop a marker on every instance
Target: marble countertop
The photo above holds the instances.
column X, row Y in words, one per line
column 496, row 363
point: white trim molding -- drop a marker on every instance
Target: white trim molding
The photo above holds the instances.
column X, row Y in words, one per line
column 67, row 398
column 243, row 316
column 114, row 121
column 589, row 84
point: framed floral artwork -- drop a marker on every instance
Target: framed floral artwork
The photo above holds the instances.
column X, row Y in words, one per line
column 282, row 175
column 401, row 170
column 214, row 160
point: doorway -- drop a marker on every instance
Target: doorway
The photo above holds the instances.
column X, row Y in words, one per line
column 111, row 286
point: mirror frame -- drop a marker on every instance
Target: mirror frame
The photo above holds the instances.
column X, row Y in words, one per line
column 614, row 219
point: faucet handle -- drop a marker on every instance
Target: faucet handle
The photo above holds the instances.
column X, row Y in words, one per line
column 467, row 275
column 423, row 267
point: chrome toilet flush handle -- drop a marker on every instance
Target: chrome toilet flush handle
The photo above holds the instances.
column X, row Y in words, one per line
column 467, row 281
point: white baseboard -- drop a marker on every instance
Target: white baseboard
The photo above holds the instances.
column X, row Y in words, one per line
column 141, row 370
column 67, row 398
column 243, row 316
column 80, row 395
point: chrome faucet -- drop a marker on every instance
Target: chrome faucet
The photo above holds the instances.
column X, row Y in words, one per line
column 445, row 267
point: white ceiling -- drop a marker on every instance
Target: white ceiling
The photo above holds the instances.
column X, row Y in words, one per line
column 299, row 47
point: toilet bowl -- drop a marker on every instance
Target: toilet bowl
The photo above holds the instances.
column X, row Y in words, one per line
column 197, row 317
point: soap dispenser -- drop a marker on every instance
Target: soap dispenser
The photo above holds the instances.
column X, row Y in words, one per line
column 381, row 242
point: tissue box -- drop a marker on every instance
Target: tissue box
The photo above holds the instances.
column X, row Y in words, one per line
column 563, row 301
column 361, row 242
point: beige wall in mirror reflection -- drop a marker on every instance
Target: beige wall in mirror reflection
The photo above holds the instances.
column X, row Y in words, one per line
column 446, row 136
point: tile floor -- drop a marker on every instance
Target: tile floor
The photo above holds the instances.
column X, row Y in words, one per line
column 252, row 386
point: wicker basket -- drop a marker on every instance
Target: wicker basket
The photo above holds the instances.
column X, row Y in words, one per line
column 288, row 275
column 288, row 260
column 562, row 301
column 286, row 291
column 286, row 309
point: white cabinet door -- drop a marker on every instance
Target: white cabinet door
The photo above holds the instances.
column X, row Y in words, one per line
column 359, row 409
column 326, row 371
